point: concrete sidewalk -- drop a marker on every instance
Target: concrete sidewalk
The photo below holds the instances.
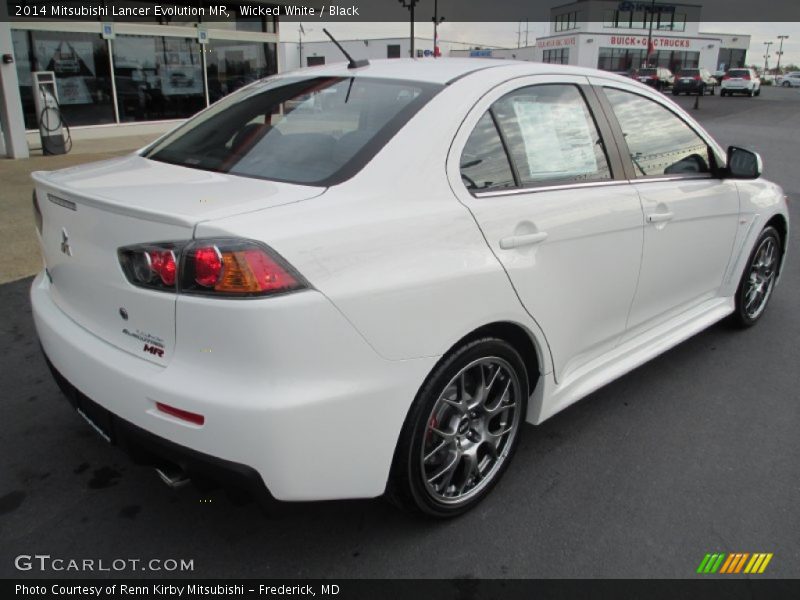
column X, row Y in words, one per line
column 17, row 230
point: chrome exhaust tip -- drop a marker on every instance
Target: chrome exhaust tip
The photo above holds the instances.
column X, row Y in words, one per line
column 173, row 477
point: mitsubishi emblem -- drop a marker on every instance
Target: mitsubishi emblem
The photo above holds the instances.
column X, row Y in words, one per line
column 65, row 247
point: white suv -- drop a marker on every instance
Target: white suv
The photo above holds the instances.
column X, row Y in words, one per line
column 789, row 80
column 740, row 81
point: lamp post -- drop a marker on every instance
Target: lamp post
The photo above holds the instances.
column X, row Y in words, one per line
column 780, row 53
column 766, row 57
column 410, row 5
column 437, row 20
column 650, row 34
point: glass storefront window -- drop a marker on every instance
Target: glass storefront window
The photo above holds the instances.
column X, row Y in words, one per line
column 233, row 64
column 157, row 77
column 80, row 64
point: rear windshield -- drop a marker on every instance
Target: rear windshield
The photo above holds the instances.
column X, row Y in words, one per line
column 690, row 72
column 312, row 131
column 738, row 72
column 647, row 71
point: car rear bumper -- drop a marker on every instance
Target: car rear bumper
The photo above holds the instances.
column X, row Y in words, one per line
column 687, row 87
column 287, row 387
column 149, row 449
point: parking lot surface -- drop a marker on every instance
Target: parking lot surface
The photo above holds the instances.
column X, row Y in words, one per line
column 697, row 451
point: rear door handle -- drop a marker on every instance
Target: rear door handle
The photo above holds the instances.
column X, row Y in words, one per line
column 517, row 241
column 660, row 217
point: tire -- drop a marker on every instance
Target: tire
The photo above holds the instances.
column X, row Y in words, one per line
column 722, row 93
column 759, row 274
column 447, row 441
column 758, row 92
column 701, row 91
column 713, row 90
column 787, row 84
column 751, row 93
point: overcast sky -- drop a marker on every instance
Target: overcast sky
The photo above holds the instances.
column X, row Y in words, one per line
column 505, row 34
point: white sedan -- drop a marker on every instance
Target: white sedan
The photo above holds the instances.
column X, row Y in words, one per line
column 371, row 294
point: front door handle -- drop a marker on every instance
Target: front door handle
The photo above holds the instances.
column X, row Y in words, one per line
column 660, row 217
column 517, row 241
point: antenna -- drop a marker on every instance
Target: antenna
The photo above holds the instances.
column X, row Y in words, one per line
column 353, row 64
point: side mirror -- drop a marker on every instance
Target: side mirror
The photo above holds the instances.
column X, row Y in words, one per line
column 743, row 164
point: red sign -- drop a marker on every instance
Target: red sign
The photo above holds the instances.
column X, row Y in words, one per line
column 658, row 42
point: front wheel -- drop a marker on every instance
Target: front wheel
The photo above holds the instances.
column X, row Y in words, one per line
column 462, row 430
column 758, row 279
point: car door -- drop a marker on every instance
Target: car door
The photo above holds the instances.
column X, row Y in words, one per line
column 691, row 216
column 538, row 168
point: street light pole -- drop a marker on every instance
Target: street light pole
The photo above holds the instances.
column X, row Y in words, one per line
column 780, row 54
column 766, row 57
column 436, row 22
column 410, row 5
column 650, row 34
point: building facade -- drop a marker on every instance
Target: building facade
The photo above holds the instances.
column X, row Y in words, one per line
column 309, row 54
column 614, row 36
column 117, row 74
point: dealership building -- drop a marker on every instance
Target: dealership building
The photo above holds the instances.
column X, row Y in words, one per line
column 115, row 78
column 613, row 36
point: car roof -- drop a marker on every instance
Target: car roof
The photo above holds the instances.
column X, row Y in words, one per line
column 441, row 70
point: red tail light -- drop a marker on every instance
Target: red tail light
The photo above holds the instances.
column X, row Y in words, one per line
column 216, row 267
column 746, row 76
column 698, row 78
column 724, row 77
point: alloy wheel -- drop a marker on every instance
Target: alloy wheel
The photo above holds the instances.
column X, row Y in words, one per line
column 471, row 430
column 761, row 278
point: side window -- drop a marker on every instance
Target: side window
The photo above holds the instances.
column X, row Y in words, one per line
column 484, row 162
column 551, row 135
column 659, row 142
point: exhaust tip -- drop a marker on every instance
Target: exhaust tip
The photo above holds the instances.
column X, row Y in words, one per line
column 174, row 477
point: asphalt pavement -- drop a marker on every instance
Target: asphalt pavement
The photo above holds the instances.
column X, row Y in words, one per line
column 697, row 451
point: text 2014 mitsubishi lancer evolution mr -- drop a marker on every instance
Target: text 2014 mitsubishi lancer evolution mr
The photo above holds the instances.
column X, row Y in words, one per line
column 360, row 280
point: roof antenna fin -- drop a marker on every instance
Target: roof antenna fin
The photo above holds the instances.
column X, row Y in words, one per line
column 352, row 64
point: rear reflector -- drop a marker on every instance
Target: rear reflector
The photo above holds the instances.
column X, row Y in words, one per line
column 184, row 415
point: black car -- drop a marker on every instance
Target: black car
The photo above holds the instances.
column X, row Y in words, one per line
column 694, row 81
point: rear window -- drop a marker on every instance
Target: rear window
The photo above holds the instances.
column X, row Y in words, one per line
column 311, row 131
column 647, row 71
column 738, row 72
column 689, row 72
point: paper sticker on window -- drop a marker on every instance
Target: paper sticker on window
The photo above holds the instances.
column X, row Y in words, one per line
column 558, row 141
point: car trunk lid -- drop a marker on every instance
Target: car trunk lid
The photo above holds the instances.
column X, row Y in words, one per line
column 89, row 212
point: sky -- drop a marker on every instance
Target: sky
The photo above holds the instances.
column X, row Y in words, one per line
column 505, row 34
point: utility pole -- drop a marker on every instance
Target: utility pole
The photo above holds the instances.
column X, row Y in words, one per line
column 410, row 5
column 650, row 33
column 437, row 20
column 780, row 53
column 519, row 33
column 527, row 30
column 766, row 57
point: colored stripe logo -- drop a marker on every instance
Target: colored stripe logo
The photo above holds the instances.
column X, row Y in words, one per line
column 734, row 562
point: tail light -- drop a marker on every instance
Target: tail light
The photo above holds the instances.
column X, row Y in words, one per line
column 215, row 267
column 698, row 78
column 37, row 213
column 746, row 76
column 725, row 77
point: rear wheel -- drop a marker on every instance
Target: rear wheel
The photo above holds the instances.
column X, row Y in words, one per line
column 786, row 84
column 758, row 279
column 462, row 430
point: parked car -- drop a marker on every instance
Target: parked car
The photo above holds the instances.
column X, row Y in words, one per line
column 318, row 305
column 789, row 79
column 694, row 81
column 740, row 81
column 659, row 78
